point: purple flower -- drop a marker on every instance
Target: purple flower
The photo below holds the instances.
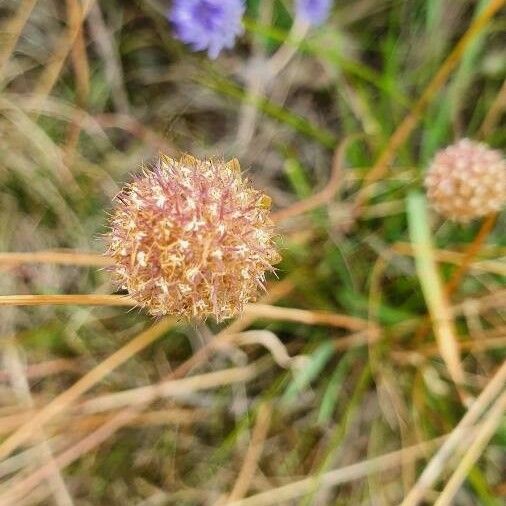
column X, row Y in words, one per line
column 315, row 12
column 210, row 25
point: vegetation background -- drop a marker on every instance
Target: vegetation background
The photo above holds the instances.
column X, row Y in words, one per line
column 336, row 388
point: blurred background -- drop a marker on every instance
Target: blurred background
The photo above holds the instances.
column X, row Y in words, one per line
column 333, row 389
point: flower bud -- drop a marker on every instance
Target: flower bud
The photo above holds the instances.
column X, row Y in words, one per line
column 467, row 180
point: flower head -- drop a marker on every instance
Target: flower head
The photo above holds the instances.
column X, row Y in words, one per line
column 210, row 25
column 467, row 180
column 192, row 238
column 315, row 12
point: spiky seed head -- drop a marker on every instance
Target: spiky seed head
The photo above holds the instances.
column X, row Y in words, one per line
column 467, row 180
column 192, row 238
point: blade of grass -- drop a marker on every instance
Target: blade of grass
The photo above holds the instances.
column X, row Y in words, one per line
column 432, row 286
column 335, row 385
column 297, row 177
column 317, row 361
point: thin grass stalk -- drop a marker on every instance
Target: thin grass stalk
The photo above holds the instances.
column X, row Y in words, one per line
column 473, row 249
column 339, row 476
column 80, row 421
column 253, row 454
column 26, row 484
column 494, row 113
column 438, row 462
column 64, row 300
column 13, row 28
column 21, row 388
column 483, row 435
column 52, row 69
column 129, row 415
column 456, row 258
column 55, row 257
column 256, row 310
column 69, row 396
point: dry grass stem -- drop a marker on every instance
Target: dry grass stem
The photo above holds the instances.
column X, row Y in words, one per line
column 54, row 257
column 253, row 453
column 13, row 28
column 472, row 250
column 25, row 458
column 53, row 68
column 83, row 422
column 306, row 316
column 64, row 300
column 458, row 258
column 69, row 396
column 81, row 69
column 494, row 113
column 488, row 302
column 23, row 487
column 170, row 388
column 254, row 310
column 21, row 388
column 480, row 440
column 326, row 194
column 437, row 464
column 476, row 345
column 268, row 340
column 44, row 369
column 338, row 476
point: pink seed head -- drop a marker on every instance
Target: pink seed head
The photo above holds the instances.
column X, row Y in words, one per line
column 467, row 180
column 192, row 238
